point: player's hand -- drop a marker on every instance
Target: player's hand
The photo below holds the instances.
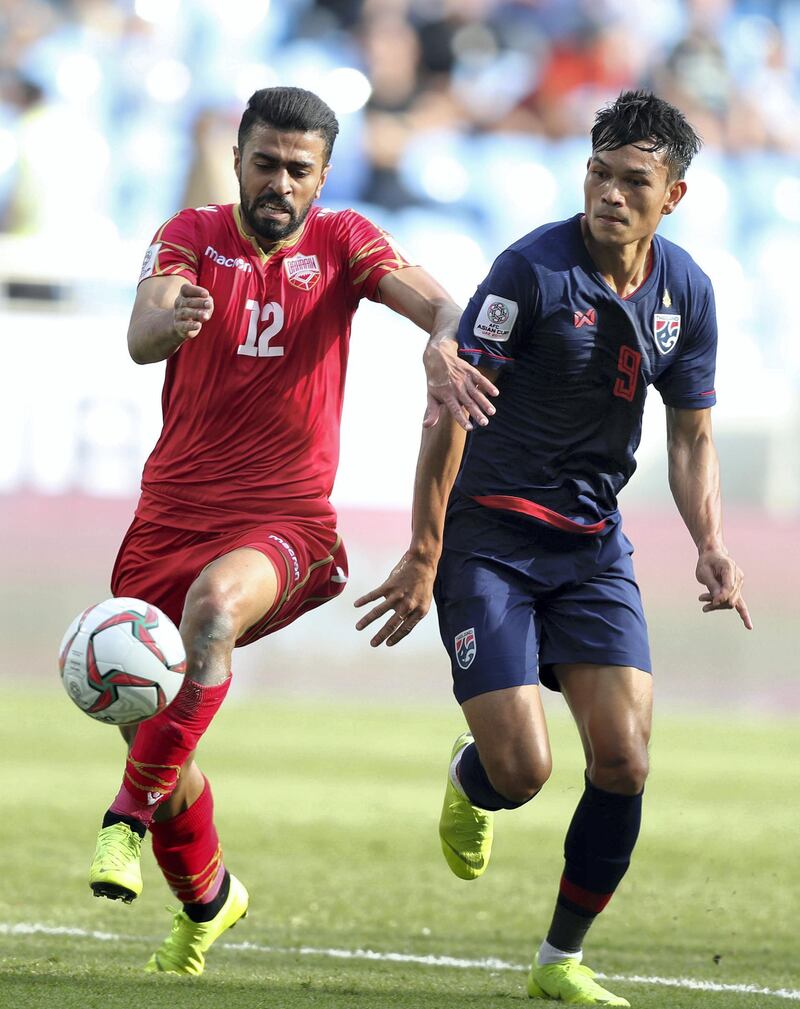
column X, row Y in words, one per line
column 718, row 571
column 193, row 306
column 456, row 386
column 407, row 592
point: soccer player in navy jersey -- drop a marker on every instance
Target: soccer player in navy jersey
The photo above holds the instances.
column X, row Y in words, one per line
column 234, row 536
column 517, row 533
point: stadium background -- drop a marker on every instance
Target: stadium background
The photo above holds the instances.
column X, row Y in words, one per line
column 464, row 124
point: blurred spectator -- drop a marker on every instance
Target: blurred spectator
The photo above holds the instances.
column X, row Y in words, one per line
column 211, row 176
column 579, row 73
column 114, row 113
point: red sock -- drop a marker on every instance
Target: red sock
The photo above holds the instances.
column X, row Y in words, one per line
column 162, row 746
column 188, row 852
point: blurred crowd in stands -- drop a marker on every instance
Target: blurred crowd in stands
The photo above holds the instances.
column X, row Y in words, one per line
column 118, row 112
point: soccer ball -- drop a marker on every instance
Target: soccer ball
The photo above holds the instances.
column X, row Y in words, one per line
column 122, row 661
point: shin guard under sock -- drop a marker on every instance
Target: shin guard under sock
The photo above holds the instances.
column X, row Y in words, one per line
column 475, row 782
column 162, row 746
column 597, row 853
column 188, row 852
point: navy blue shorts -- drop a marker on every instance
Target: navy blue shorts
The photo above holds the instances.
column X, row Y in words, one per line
column 516, row 597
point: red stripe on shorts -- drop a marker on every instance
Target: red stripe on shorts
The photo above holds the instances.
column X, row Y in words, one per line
column 506, row 502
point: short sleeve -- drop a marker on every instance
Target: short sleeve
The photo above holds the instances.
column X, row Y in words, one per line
column 499, row 313
column 688, row 383
column 173, row 249
column 371, row 254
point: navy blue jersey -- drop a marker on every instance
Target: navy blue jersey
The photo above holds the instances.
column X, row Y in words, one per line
column 576, row 360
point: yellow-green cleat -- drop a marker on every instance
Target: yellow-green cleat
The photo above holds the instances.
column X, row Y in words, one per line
column 571, row 982
column 465, row 830
column 184, row 949
column 115, row 871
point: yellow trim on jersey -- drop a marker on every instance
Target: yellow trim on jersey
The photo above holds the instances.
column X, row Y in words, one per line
column 389, row 265
column 367, row 250
column 264, row 256
column 165, row 225
column 169, row 271
column 190, row 253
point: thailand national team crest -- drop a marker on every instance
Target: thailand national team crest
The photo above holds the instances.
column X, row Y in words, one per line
column 466, row 648
column 666, row 330
column 302, row 271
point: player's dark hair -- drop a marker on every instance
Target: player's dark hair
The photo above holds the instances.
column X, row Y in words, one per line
column 290, row 109
column 640, row 118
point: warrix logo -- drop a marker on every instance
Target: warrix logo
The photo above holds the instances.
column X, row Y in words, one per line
column 587, row 318
column 220, row 260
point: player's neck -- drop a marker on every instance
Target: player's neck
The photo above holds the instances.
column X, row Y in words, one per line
column 265, row 246
column 623, row 267
column 269, row 247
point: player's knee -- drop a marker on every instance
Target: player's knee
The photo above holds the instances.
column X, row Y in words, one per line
column 210, row 619
column 519, row 780
column 624, row 772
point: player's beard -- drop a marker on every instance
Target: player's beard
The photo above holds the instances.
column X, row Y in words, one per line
column 272, row 231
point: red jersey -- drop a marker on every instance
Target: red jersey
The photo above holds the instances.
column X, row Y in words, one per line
column 252, row 406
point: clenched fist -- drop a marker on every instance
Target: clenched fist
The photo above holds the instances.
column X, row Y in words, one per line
column 193, row 307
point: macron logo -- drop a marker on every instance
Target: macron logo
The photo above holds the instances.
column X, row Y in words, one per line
column 220, row 260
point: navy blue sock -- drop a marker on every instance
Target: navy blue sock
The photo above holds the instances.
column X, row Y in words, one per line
column 597, row 853
column 475, row 782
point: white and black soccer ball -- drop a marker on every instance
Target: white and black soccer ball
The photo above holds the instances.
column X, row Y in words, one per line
column 122, row 661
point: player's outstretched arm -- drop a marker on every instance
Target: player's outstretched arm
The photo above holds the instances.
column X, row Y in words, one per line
column 408, row 589
column 453, row 384
column 695, row 485
column 167, row 312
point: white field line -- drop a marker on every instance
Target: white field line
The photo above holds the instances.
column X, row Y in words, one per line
column 490, row 963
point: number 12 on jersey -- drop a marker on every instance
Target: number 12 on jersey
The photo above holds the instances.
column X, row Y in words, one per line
column 257, row 344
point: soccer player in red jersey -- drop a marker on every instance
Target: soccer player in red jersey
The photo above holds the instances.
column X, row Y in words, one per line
column 234, row 535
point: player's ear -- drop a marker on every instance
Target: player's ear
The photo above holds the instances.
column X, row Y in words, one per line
column 322, row 179
column 237, row 161
column 675, row 194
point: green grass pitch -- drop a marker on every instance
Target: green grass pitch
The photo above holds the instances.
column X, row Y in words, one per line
column 328, row 813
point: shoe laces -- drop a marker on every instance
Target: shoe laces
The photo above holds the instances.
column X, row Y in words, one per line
column 185, row 931
column 120, row 847
column 183, row 940
column 469, row 819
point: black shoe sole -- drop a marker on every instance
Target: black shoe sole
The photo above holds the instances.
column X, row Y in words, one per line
column 113, row 892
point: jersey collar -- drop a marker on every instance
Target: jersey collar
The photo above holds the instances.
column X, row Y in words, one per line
column 287, row 243
column 590, row 266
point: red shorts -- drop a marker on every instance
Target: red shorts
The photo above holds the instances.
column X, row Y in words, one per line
column 158, row 564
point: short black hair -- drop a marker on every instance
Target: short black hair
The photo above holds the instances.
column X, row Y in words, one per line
column 290, row 109
column 640, row 118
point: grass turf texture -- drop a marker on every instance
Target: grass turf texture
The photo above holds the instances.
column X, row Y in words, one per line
column 328, row 814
